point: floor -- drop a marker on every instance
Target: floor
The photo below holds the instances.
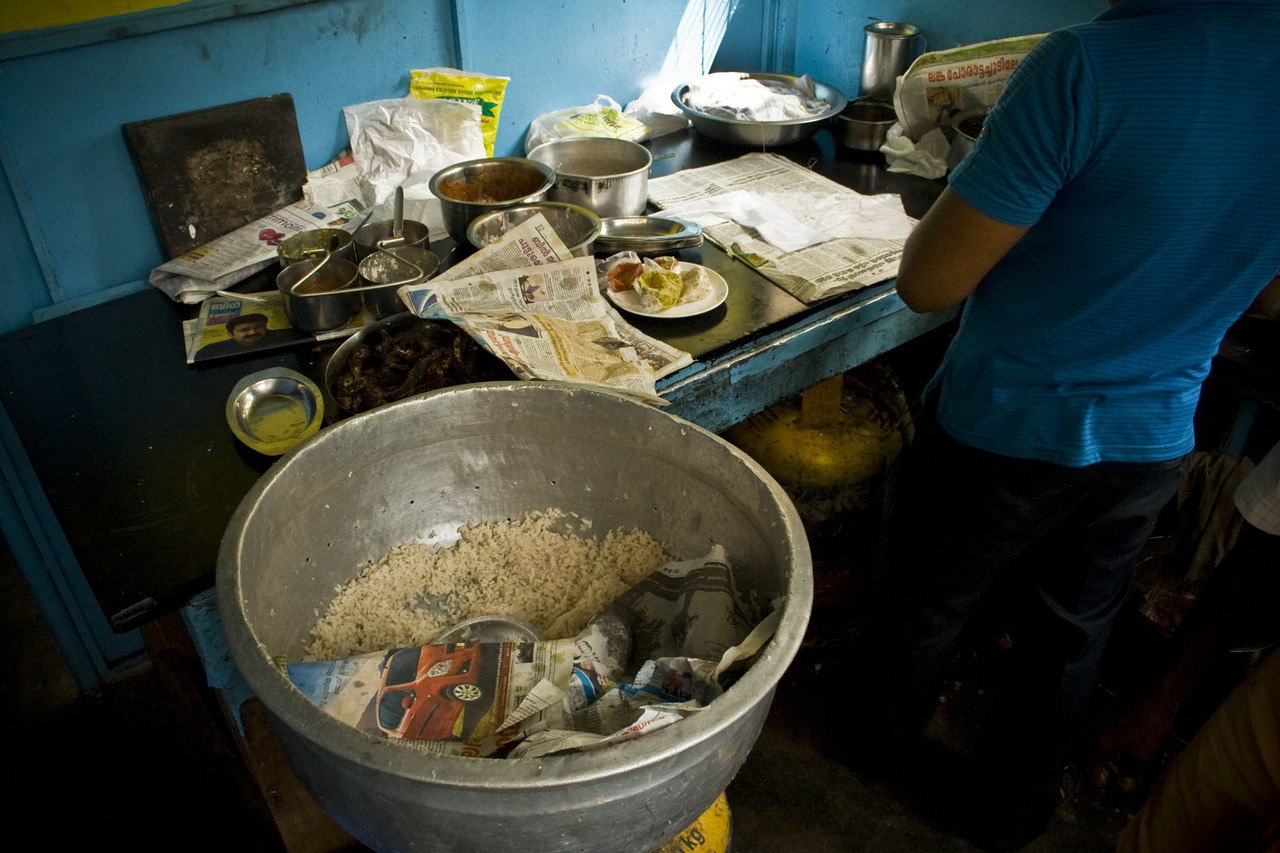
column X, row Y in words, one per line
column 151, row 763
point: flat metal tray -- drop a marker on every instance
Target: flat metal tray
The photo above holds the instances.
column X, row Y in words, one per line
column 647, row 235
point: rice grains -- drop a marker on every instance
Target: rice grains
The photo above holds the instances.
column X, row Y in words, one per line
column 520, row 569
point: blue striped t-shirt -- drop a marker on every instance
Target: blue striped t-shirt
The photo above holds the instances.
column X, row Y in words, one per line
column 1143, row 150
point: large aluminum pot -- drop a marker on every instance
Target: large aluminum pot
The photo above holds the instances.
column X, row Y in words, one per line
column 484, row 452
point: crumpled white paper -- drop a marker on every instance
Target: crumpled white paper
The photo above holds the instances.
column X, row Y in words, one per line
column 926, row 157
column 850, row 215
column 403, row 142
column 734, row 95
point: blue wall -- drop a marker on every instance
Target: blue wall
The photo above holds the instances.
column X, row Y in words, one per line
column 72, row 212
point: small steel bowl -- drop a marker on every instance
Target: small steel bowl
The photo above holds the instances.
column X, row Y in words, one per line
column 966, row 125
column 272, row 410
column 379, row 235
column 864, row 125
column 763, row 133
column 475, row 187
column 575, row 225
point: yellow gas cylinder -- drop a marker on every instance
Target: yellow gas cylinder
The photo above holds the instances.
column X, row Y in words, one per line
column 710, row 833
column 832, row 449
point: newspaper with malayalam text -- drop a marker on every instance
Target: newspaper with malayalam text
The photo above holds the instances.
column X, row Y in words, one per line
column 540, row 310
column 941, row 84
column 850, row 240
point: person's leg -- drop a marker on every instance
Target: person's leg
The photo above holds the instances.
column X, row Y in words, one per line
column 1076, row 581
column 1223, row 791
column 963, row 516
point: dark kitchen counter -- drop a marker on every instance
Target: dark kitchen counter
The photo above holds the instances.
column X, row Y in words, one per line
column 123, row 471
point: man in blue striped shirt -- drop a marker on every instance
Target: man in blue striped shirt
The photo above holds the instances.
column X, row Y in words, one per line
column 1115, row 216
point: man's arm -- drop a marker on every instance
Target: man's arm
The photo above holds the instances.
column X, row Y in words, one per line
column 950, row 252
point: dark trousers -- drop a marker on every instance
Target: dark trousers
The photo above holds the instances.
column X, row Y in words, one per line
column 1068, row 540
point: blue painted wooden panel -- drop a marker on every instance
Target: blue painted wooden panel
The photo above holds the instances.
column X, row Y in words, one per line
column 563, row 54
column 61, row 113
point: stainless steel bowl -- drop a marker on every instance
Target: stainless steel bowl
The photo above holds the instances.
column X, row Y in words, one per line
column 362, row 373
column 272, row 410
column 966, row 125
column 647, row 235
column 449, row 458
column 476, row 187
column 573, row 224
column 369, row 238
column 864, row 125
column 760, row 134
column 607, row 176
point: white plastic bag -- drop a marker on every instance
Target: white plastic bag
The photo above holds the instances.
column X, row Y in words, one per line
column 655, row 109
column 403, row 142
column 603, row 118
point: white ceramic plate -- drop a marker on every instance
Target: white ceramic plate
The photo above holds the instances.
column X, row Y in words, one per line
column 629, row 300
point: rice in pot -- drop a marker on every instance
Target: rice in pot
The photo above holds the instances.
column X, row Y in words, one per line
column 520, row 569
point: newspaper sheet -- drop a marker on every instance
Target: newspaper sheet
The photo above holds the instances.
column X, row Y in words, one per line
column 250, row 324
column 863, row 234
column 234, row 257
column 529, row 302
column 609, row 684
column 940, row 84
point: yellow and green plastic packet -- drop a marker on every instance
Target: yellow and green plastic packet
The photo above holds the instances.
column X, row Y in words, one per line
column 483, row 90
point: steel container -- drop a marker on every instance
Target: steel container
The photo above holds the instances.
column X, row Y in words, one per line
column 381, row 277
column 475, row 187
column 762, row 134
column 864, row 125
column 381, row 235
column 889, row 51
column 609, row 177
column 484, row 452
column 319, row 295
column 966, row 125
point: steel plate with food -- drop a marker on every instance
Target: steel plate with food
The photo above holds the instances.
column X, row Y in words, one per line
column 664, row 287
